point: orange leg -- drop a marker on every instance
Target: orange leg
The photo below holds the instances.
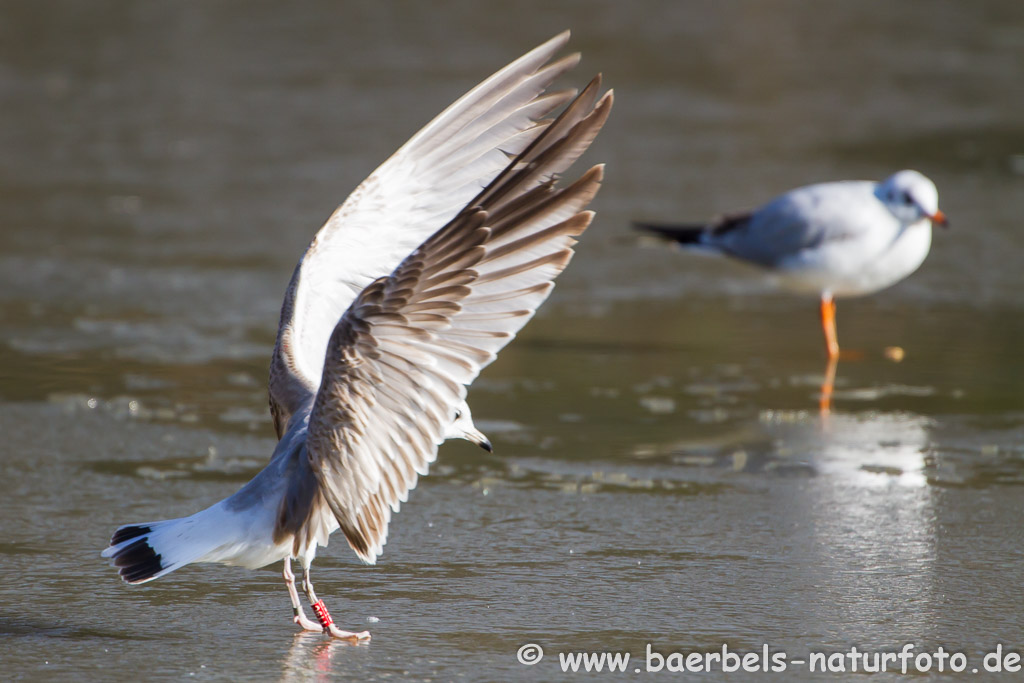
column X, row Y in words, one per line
column 827, row 384
column 828, row 325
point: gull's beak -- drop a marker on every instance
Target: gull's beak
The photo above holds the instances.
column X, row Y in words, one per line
column 479, row 438
column 939, row 218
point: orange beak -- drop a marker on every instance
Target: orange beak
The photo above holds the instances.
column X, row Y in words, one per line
column 939, row 218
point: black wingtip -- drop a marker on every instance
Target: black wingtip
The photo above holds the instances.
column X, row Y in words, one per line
column 138, row 561
column 684, row 234
column 126, row 533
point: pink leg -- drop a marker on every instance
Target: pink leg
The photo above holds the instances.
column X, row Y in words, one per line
column 326, row 623
column 300, row 618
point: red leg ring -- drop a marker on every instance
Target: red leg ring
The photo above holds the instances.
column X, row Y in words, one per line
column 322, row 614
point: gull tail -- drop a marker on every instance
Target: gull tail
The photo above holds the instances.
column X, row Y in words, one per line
column 143, row 552
column 681, row 234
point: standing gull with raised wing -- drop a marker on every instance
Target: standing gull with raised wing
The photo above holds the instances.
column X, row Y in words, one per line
column 846, row 238
column 431, row 267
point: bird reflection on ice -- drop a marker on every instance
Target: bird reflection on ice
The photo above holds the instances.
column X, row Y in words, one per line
column 311, row 658
column 845, row 504
column 868, row 449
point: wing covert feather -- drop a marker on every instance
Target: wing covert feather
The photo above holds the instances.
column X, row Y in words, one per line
column 421, row 187
column 399, row 359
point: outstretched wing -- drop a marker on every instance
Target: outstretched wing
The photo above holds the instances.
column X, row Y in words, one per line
column 420, row 188
column 399, row 360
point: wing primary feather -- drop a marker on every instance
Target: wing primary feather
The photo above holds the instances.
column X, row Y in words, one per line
column 400, row 358
column 423, row 185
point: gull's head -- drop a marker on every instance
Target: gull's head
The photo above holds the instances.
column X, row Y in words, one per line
column 911, row 197
column 462, row 427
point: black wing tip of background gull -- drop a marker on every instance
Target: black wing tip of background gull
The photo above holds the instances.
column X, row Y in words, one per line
column 683, row 234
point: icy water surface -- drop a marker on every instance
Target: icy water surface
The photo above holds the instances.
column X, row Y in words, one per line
column 661, row 474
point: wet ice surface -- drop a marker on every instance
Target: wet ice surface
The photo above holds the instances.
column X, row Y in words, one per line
column 661, row 473
column 869, row 530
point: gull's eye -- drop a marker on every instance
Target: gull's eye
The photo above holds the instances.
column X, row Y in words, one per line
column 907, row 199
column 458, row 414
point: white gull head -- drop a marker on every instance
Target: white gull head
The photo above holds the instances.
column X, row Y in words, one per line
column 911, row 197
column 462, row 427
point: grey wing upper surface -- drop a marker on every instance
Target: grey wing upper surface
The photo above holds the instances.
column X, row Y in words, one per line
column 801, row 219
column 399, row 360
column 420, row 188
